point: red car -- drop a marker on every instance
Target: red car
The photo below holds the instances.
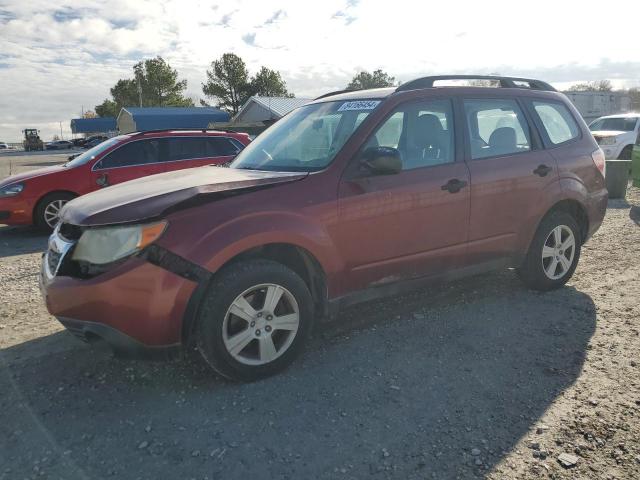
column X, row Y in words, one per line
column 37, row 196
column 349, row 198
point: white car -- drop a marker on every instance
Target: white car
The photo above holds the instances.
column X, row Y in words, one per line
column 616, row 134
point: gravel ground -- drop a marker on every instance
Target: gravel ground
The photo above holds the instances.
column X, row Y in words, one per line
column 480, row 378
column 18, row 161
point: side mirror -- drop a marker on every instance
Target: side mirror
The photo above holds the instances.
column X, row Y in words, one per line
column 103, row 180
column 382, row 160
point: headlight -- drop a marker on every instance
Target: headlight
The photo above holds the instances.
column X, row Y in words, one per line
column 608, row 141
column 107, row 244
column 11, row 190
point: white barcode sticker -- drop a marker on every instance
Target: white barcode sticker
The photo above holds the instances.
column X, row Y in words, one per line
column 359, row 105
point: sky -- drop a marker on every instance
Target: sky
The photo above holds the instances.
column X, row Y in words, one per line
column 58, row 58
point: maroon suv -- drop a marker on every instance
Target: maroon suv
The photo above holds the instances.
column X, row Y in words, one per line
column 351, row 197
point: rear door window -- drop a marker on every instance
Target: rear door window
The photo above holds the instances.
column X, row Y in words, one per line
column 557, row 121
column 139, row 152
column 497, row 127
column 187, row 148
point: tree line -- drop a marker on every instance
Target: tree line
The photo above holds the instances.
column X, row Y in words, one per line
column 228, row 86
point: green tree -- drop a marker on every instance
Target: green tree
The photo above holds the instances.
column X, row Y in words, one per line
column 593, row 86
column 228, row 82
column 268, row 83
column 108, row 108
column 365, row 80
column 159, row 84
column 154, row 82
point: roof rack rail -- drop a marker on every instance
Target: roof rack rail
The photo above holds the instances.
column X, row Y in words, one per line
column 505, row 82
column 195, row 129
column 337, row 92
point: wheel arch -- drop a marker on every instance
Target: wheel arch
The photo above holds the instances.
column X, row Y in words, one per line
column 295, row 257
column 626, row 148
column 37, row 204
column 574, row 208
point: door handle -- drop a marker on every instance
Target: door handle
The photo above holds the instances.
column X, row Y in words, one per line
column 542, row 170
column 454, row 185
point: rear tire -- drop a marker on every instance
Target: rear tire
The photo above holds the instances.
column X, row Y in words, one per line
column 554, row 253
column 45, row 215
column 254, row 320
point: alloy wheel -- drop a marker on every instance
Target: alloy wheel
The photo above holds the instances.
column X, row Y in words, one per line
column 52, row 211
column 261, row 324
column 558, row 252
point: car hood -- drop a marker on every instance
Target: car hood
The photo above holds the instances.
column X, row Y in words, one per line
column 609, row 133
column 20, row 177
column 152, row 196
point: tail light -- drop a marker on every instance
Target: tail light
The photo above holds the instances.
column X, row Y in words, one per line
column 598, row 159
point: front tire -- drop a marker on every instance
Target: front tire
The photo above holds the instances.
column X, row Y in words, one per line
column 254, row 320
column 48, row 209
column 554, row 253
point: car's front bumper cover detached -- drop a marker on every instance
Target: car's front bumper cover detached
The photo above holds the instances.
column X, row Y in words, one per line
column 136, row 307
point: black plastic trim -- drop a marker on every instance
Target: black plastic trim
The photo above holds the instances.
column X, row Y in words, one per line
column 182, row 267
column 505, row 82
column 337, row 92
column 121, row 343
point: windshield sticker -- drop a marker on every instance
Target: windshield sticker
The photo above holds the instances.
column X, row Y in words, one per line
column 359, row 105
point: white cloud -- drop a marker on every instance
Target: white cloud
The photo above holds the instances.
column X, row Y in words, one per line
column 56, row 57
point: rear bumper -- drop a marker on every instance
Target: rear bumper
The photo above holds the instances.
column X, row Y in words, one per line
column 596, row 209
column 119, row 342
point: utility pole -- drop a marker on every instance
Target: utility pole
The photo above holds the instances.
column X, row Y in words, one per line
column 61, row 131
column 139, row 91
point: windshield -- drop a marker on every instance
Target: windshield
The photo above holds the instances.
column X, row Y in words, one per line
column 621, row 124
column 307, row 139
column 92, row 152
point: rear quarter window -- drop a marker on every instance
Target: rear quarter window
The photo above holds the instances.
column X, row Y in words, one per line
column 557, row 121
column 221, row 147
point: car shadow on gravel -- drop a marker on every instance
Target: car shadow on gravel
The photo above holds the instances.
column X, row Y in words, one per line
column 405, row 388
column 634, row 214
column 21, row 240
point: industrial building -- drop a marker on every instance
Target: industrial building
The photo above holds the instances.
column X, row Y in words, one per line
column 267, row 109
column 258, row 113
column 89, row 126
column 138, row 119
column 593, row 104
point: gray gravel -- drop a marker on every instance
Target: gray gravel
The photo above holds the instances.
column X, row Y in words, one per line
column 19, row 161
column 478, row 378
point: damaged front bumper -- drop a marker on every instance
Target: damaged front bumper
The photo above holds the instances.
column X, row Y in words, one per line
column 138, row 306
